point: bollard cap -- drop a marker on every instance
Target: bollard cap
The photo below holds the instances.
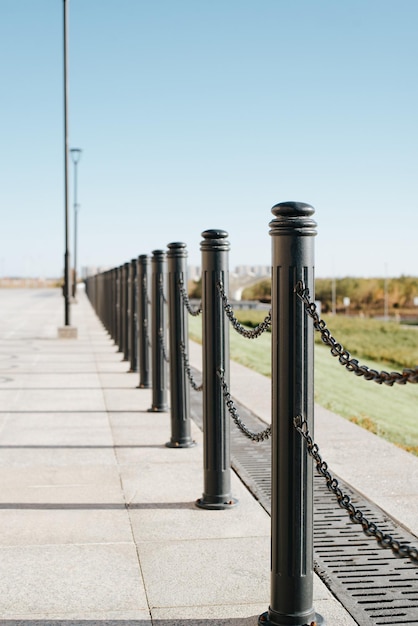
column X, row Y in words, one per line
column 214, row 239
column 177, row 249
column 175, row 245
column 158, row 253
column 293, row 218
column 143, row 262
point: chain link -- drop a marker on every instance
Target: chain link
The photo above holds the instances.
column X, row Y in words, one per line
column 161, row 289
column 146, row 334
column 183, row 292
column 188, row 370
column 249, row 334
column 262, row 435
column 145, row 290
column 162, row 345
column 344, row 357
column 147, row 301
column 356, row 515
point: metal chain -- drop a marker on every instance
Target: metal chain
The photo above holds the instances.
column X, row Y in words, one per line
column 145, row 299
column 188, row 370
column 161, row 289
column 352, row 365
column 249, row 334
column 262, row 435
column 183, row 292
column 145, row 290
column 146, row 334
column 161, row 339
column 369, row 528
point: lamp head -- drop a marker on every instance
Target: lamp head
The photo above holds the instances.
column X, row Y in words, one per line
column 75, row 154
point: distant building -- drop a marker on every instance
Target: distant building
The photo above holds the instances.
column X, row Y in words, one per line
column 263, row 271
column 92, row 270
column 241, row 271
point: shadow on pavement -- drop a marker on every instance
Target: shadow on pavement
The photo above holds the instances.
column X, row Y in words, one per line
column 233, row 621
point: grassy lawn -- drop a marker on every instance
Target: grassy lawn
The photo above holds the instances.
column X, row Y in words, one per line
column 390, row 412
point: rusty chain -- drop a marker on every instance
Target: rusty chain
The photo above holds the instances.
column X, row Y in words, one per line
column 344, row 500
column 249, row 334
column 262, row 435
column 186, row 301
column 352, row 365
column 188, row 370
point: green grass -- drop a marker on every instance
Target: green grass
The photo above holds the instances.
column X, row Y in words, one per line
column 388, row 343
column 390, row 412
column 253, row 353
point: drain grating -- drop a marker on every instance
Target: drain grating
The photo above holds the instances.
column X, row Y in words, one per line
column 376, row 587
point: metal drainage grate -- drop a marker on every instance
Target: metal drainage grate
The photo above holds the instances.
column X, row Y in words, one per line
column 375, row 587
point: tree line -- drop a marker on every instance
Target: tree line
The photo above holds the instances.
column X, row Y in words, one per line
column 368, row 296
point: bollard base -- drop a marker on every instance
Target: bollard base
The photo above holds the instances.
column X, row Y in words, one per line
column 143, row 386
column 181, row 444
column 133, row 371
column 216, row 506
column 67, row 332
column 264, row 620
column 158, row 409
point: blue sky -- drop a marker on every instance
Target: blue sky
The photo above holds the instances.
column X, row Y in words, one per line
column 196, row 114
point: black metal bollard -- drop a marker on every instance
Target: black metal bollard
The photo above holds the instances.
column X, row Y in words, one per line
column 178, row 334
column 215, row 338
column 127, row 311
column 293, row 231
column 133, row 335
column 104, row 308
column 158, row 331
column 121, row 291
column 144, row 345
column 117, row 306
column 113, row 303
column 103, row 305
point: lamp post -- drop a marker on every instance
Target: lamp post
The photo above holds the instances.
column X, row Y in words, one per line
column 75, row 157
column 67, row 253
column 67, row 331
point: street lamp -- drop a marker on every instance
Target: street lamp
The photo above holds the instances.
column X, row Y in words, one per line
column 67, row 253
column 66, row 331
column 75, row 157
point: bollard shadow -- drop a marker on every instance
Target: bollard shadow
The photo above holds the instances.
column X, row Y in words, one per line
column 79, row 412
column 16, row 446
column 222, row 621
column 99, row 506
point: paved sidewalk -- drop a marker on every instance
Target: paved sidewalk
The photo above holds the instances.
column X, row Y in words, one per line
column 97, row 516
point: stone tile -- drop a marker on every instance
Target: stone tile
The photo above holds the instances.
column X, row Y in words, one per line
column 56, row 455
column 36, row 524
column 51, row 400
column 48, row 483
column 69, row 579
column 180, row 482
column 123, row 380
column 37, row 430
column 164, row 521
column 96, row 618
column 207, row 572
column 55, row 381
column 129, row 400
column 210, row 615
